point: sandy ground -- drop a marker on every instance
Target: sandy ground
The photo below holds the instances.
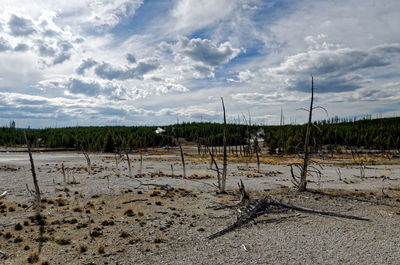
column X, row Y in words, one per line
column 161, row 227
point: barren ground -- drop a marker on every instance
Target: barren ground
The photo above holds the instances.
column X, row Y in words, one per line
column 161, row 227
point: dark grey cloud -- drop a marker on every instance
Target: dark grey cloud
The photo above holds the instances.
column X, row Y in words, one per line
column 130, row 58
column 60, row 52
column 20, row 26
column 339, row 61
column 59, row 59
column 21, row 47
column 46, row 50
column 328, row 84
column 109, row 72
column 85, row 65
column 145, row 67
column 94, row 88
column 50, row 33
column 79, row 40
column 205, row 51
column 87, row 88
column 204, row 71
column 4, row 45
column 65, row 45
column 336, row 70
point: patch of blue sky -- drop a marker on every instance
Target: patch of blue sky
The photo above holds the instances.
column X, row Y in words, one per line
column 386, row 109
column 203, row 33
column 147, row 14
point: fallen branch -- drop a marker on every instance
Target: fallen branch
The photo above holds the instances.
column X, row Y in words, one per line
column 265, row 205
column 260, row 206
column 134, row 200
column 309, row 210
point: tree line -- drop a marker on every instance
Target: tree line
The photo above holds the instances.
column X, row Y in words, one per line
column 381, row 134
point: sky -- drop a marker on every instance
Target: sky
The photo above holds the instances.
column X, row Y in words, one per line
column 157, row 62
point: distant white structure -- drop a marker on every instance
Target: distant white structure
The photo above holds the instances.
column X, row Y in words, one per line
column 160, row 130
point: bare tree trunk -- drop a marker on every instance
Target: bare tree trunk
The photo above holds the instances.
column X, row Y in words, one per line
column 216, row 167
column 303, row 177
column 85, row 153
column 116, row 161
column 225, row 162
column 198, row 143
column 129, row 163
column 64, row 177
column 141, row 161
column 183, row 159
column 256, row 149
column 35, row 182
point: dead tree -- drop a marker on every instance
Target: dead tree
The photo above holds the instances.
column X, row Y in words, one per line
column 35, row 182
column 129, row 163
column 301, row 181
column 266, row 205
column 116, row 160
column 256, row 150
column 225, row 161
column 86, row 154
column 64, row 177
column 141, row 159
column 248, row 148
column 127, row 156
column 182, row 158
column 216, row 167
column 303, row 177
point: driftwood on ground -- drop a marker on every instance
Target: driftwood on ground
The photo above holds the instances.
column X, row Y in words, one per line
column 266, row 205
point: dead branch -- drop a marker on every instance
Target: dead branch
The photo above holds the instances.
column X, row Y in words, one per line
column 265, row 206
column 309, row 210
column 85, row 153
column 141, row 160
column 129, row 163
column 134, row 200
column 216, row 167
column 260, row 206
column 64, row 177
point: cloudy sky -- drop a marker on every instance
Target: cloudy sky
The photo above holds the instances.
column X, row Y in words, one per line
column 135, row 62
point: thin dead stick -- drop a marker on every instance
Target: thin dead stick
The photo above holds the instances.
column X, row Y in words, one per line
column 116, row 161
column 35, row 182
column 135, row 200
column 141, row 161
column 85, row 153
column 216, row 167
column 129, row 163
column 63, row 172
column 183, row 159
